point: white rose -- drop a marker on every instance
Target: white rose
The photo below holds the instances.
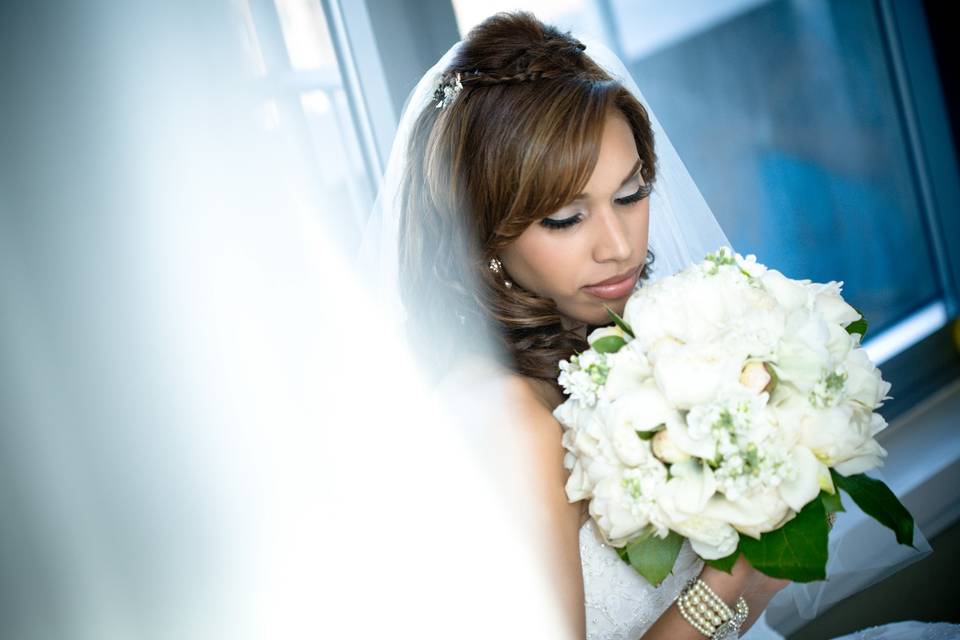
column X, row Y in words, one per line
column 629, row 447
column 752, row 515
column 697, row 373
column 792, row 294
column 811, row 476
column 802, row 354
column 840, row 434
column 578, row 485
column 700, row 443
column 711, row 539
column 574, row 415
column 864, row 383
column 828, row 301
column 868, row 455
column 629, row 368
column 839, row 343
column 642, row 408
column 687, row 491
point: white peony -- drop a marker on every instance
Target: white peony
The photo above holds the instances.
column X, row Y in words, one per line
column 696, row 373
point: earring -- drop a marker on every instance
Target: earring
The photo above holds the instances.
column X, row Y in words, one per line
column 497, row 267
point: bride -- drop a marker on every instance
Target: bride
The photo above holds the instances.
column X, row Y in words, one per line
column 530, row 186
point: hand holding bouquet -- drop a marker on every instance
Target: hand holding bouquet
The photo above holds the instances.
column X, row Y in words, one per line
column 728, row 406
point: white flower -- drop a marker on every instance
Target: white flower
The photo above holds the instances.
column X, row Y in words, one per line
column 750, row 454
column 582, row 376
column 629, row 368
column 840, row 342
column 642, row 408
column 623, row 502
column 757, row 513
column 829, row 302
column 696, row 373
column 792, row 294
column 869, row 454
column 710, row 538
column 809, row 478
column 839, row 434
column 750, row 265
column 864, row 383
column 578, row 486
column 802, row 353
column 687, row 491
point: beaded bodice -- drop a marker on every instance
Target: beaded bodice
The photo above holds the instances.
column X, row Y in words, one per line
column 620, row 604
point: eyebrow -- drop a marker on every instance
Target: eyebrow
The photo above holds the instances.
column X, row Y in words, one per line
column 633, row 172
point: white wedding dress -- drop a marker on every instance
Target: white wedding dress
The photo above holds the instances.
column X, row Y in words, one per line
column 621, row 605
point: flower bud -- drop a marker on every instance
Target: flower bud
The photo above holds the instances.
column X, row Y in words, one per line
column 755, row 376
column 666, row 450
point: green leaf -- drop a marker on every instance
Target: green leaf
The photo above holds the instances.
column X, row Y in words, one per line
column 796, row 551
column 725, row 564
column 858, row 326
column 653, row 557
column 608, row 344
column 622, row 552
column 831, row 502
column 879, row 502
column 620, row 322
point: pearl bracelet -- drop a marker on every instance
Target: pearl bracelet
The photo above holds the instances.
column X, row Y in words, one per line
column 707, row 613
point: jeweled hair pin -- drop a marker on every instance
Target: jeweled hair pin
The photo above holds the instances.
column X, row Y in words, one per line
column 447, row 91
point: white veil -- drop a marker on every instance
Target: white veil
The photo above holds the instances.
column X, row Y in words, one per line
column 682, row 226
column 683, row 230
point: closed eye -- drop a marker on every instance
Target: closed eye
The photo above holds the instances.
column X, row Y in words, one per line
column 639, row 195
column 642, row 192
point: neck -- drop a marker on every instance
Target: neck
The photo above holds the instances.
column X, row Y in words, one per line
column 579, row 327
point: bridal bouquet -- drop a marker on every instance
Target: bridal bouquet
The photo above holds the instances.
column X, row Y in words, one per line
column 729, row 405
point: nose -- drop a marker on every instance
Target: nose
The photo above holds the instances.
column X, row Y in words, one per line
column 613, row 238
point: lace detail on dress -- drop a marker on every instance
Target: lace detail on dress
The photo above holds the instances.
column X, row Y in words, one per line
column 620, row 604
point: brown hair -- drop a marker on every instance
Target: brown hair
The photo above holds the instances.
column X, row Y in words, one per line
column 517, row 143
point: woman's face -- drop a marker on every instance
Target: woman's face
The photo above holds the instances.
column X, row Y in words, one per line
column 602, row 237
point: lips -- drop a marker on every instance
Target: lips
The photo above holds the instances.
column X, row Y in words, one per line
column 615, row 287
column 615, row 279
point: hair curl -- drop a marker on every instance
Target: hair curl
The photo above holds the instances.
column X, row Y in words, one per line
column 517, row 143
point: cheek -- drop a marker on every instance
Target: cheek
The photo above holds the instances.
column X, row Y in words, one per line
column 544, row 264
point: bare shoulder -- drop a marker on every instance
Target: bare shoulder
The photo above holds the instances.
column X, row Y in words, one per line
column 535, row 395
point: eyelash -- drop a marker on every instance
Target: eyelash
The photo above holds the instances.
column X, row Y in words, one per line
column 639, row 195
